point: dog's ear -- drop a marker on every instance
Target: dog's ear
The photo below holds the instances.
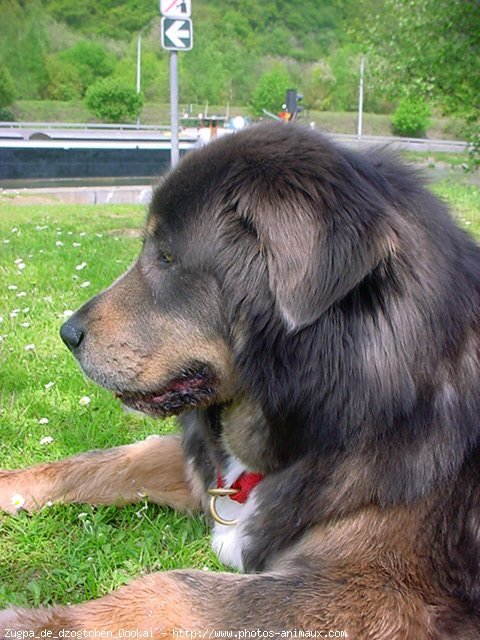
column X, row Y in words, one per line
column 314, row 259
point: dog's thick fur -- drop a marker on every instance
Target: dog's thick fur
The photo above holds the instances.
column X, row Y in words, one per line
column 313, row 314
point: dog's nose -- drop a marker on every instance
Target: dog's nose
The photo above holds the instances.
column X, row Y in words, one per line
column 72, row 333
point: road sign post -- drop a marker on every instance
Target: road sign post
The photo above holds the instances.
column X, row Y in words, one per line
column 176, row 35
column 175, row 150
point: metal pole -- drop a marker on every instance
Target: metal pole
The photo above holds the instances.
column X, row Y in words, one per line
column 139, row 64
column 360, row 100
column 174, row 155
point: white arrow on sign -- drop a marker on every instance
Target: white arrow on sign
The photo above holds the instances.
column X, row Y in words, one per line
column 177, row 34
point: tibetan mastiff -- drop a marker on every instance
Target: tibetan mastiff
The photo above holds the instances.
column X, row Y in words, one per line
column 312, row 314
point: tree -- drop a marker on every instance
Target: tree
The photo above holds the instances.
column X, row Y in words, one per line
column 91, row 60
column 23, row 45
column 63, row 80
column 7, row 87
column 114, row 101
column 270, row 91
column 429, row 48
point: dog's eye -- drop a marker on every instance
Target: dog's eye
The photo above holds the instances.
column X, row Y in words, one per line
column 166, row 258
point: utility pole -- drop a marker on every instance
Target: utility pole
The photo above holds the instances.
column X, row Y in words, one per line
column 360, row 100
column 139, row 66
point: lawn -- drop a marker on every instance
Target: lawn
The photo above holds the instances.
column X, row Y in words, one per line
column 53, row 258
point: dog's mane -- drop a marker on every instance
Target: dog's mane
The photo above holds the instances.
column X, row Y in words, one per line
column 358, row 301
column 374, row 368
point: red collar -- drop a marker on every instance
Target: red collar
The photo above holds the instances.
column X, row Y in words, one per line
column 243, row 485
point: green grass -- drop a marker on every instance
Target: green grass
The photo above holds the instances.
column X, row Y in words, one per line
column 57, row 555
column 69, row 553
column 434, row 158
column 465, row 201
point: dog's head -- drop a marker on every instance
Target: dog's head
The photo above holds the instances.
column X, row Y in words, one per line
column 258, row 234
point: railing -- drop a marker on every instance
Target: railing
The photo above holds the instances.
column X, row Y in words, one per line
column 14, row 130
column 75, row 125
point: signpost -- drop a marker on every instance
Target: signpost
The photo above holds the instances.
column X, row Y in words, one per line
column 176, row 35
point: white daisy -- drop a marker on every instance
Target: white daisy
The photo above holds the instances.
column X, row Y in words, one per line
column 17, row 501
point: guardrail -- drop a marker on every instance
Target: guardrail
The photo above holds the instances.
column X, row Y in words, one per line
column 68, row 131
column 454, row 145
column 84, row 125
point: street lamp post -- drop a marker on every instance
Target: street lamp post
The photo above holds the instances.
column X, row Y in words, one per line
column 139, row 66
column 360, row 100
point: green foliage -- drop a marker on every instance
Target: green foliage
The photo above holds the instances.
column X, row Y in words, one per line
column 430, row 48
column 23, row 45
column 7, row 87
column 473, row 136
column 113, row 101
column 64, row 81
column 411, row 118
column 114, row 19
column 317, row 84
column 91, row 60
column 343, row 94
column 218, row 70
column 6, row 115
column 154, row 80
column 270, row 91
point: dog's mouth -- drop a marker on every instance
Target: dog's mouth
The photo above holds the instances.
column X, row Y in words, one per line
column 194, row 388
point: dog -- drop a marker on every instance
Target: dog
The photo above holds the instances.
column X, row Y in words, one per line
column 312, row 315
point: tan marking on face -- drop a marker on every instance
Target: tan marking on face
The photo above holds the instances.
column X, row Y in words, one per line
column 151, row 226
column 129, row 345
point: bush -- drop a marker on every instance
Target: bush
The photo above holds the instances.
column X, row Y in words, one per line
column 113, row 100
column 6, row 115
column 411, row 118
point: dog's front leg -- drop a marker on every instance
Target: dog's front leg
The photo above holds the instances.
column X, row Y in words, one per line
column 154, row 468
column 165, row 605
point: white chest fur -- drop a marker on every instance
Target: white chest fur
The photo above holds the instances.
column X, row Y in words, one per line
column 228, row 541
